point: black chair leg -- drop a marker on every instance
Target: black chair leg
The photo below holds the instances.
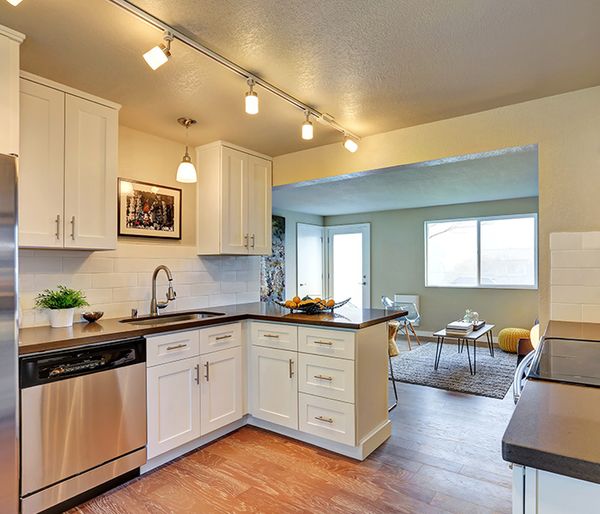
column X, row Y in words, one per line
column 395, row 404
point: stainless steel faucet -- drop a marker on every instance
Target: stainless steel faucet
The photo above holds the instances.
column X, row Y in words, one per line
column 154, row 305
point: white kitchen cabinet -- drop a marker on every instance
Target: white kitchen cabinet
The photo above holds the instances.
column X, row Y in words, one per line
column 10, row 42
column 221, row 389
column 274, row 386
column 233, row 201
column 41, row 166
column 68, row 167
column 173, row 397
column 541, row 492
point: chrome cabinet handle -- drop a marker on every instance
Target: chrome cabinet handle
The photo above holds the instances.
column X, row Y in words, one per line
column 328, row 343
column 57, row 221
column 252, row 238
column 326, row 420
column 323, row 377
column 207, row 371
column 291, row 368
column 73, row 228
column 274, row 336
column 197, row 368
column 176, row 347
column 220, row 338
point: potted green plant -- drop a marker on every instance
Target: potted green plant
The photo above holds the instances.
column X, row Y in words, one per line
column 61, row 303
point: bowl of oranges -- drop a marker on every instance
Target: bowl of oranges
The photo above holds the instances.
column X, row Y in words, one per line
column 310, row 305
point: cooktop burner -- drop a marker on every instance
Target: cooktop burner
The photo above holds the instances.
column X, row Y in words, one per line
column 567, row 360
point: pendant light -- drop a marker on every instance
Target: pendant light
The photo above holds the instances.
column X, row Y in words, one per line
column 307, row 127
column 158, row 55
column 186, row 172
column 251, row 99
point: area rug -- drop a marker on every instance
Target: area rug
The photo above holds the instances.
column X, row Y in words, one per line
column 493, row 379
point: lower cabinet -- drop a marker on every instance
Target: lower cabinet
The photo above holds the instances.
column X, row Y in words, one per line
column 274, row 386
column 173, row 405
column 221, row 389
column 327, row 418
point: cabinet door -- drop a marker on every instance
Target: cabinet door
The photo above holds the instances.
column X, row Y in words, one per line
column 221, row 389
column 173, row 405
column 234, row 219
column 274, row 386
column 259, row 205
column 91, row 132
column 41, row 166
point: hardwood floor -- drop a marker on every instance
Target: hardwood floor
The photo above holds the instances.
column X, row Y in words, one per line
column 443, row 457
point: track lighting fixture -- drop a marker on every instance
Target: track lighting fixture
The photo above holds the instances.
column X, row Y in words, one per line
column 307, row 127
column 350, row 144
column 186, row 171
column 157, row 56
column 14, row 2
column 251, row 98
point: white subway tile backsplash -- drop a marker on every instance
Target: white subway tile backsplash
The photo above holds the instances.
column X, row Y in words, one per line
column 590, row 240
column 590, row 313
column 566, row 241
column 119, row 280
column 575, row 259
column 566, row 311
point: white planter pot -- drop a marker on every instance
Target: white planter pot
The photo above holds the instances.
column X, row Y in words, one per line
column 61, row 317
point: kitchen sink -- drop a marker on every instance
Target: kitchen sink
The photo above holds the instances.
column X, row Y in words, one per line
column 174, row 317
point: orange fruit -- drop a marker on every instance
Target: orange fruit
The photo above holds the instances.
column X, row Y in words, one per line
column 330, row 303
column 293, row 305
column 296, row 299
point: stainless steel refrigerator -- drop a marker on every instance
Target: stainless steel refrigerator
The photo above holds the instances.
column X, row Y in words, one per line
column 9, row 433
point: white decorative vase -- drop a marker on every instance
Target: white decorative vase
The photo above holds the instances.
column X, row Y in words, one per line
column 61, row 317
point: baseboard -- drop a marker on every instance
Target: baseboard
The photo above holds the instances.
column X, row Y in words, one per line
column 366, row 446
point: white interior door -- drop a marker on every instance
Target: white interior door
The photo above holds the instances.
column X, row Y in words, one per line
column 349, row 260
column 310, row 260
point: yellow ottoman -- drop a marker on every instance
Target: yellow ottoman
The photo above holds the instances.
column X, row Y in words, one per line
column 508, row 338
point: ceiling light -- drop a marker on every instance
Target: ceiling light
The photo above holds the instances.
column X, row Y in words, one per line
column 251, row 99
column 307, row 127
column 186, row 171
column 14, row 2
column 350, row 144
column 157, row 56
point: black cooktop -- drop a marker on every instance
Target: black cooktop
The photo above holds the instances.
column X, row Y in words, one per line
column 567, row 360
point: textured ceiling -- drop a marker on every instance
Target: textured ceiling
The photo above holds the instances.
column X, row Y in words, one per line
column 507, row 174
column 375, row 66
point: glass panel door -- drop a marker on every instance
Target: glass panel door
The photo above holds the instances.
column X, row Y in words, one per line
column 310, row 261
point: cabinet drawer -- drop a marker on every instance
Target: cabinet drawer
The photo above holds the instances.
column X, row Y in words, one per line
column 326, row 376
column 274, row 335
column 172, row 347
column 326, row 418
column 333, row 343
column 220, row 337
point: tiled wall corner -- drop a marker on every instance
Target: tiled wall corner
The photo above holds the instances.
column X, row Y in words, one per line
column 120, row 280
column 575, row 276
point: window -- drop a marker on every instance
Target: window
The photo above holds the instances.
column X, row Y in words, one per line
column 482, row 252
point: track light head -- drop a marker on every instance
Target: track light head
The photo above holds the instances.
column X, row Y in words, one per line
column 251, row 99
column 158, row 55
column 350, row 144
column 307, row 127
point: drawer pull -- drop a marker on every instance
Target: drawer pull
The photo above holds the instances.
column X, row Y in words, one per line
column 326, row 420
column 328, row 343
column 220, row 338
column 176, row 347
column 275, row 336
column 323, row 377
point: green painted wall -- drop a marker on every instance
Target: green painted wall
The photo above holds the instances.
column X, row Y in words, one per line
column 398, row 265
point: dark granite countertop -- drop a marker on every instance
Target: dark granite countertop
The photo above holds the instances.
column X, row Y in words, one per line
column 36, row 339
column 556, row 427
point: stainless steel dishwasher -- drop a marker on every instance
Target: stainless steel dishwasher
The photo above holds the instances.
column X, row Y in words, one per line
column 83, row 420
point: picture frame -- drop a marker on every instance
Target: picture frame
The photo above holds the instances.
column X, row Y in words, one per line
column 148, row 210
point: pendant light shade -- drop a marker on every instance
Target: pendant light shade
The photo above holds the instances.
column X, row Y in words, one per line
column 186, row 171
column 307, row 128
column 251, row 99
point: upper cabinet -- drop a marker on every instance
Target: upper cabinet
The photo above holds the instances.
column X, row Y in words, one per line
column 10, row 41
column 68, row 167
column 233, row 201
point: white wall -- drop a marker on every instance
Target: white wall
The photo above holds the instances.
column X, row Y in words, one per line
column 292, row 219
column 117, row 281
column 575, row 276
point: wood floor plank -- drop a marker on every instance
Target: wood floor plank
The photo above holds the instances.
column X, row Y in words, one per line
column 443, row 457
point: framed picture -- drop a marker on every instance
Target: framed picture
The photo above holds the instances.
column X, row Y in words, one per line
column 148, row 210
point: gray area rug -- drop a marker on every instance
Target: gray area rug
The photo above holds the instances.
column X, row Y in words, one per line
column 493, row 379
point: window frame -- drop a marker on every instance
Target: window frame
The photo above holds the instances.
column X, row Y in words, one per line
column 479, row 219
